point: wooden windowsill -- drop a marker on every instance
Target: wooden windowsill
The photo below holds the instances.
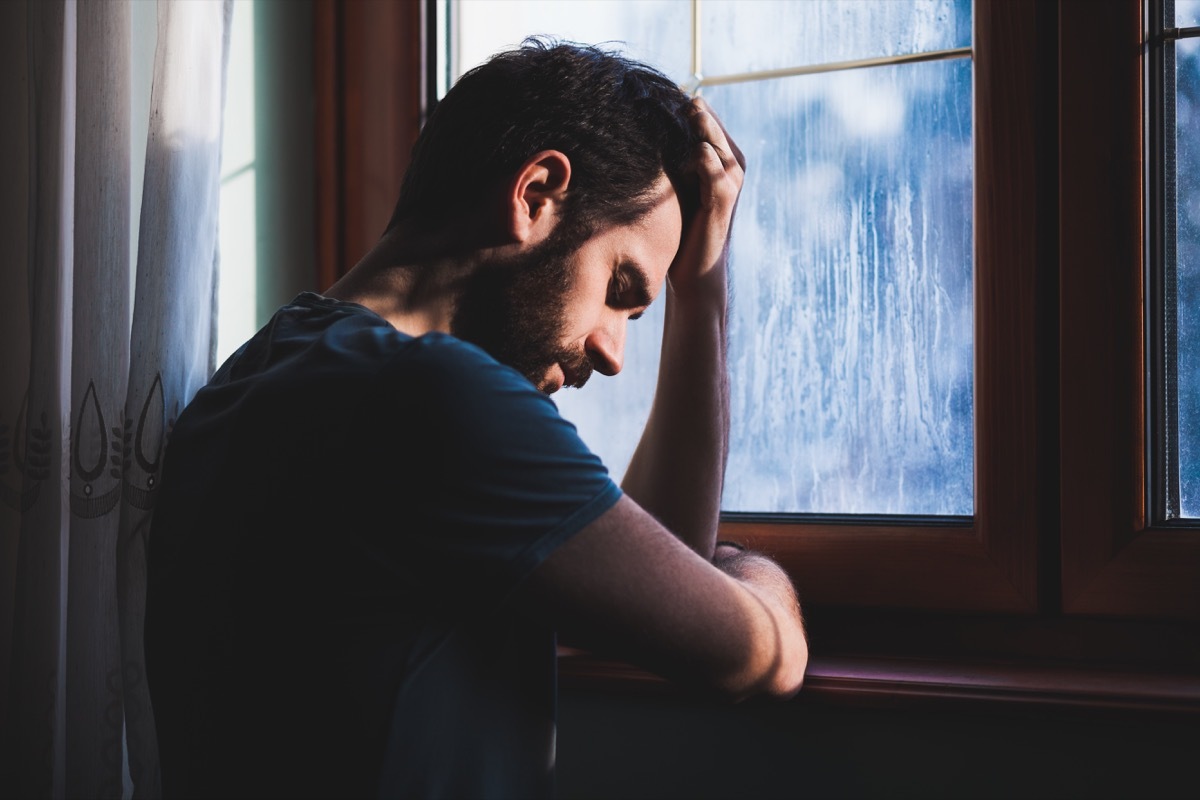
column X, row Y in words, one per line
column 862, row 680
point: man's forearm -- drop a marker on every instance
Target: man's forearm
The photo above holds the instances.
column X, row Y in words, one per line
column 677, row 472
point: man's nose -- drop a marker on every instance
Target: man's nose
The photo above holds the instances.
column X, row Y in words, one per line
column 606, row 347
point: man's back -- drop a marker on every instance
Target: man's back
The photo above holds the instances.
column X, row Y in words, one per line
column 344, row 514
column 367, row 528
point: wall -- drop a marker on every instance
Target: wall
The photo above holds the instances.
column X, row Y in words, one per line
column 614, row 745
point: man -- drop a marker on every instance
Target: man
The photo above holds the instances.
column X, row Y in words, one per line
column 373, row 519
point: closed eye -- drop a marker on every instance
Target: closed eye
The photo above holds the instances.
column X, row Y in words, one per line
column 629, row 288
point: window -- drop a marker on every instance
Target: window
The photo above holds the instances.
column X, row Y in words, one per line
column 1173, row 106
column 1187, row 255
column 864, row 327
column 1061, row 560
column 236, row 284
column 851, row 324
column 1060, row 524
column 1121, row 555
column 267, row 169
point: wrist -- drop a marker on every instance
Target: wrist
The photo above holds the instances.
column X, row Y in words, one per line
column 706, row 288
column 701, row 300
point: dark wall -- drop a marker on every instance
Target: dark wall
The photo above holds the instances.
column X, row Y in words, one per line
column 613, row 745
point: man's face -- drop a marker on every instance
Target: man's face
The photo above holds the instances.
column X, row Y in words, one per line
column 555, row 313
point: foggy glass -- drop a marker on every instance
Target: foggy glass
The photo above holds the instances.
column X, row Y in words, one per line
column 789, row 34
column 610, row 412
column 657, row 32
column 1187, row 13
column 851, row 333
column 1187, row 249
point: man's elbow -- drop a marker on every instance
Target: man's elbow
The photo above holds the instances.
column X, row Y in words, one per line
column 789, row 677
column 787, row 673
column 772, row 669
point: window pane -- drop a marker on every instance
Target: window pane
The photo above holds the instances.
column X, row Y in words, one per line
column 1187, row 249
column 655, row 31
column 236, row 227
column 611, row 412
column 789, row 34
column 851, row 330
column 1187, row 13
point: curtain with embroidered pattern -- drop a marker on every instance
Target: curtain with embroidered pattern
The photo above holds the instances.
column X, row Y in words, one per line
column 102, row 342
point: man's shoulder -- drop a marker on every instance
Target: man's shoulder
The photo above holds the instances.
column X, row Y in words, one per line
column 446, row 381
column 319, row 339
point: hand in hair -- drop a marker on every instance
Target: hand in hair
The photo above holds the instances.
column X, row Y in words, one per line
column 719, row 167
column 678, row 469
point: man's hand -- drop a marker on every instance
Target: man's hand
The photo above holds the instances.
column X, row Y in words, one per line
column 678, row 470
column 720, row 169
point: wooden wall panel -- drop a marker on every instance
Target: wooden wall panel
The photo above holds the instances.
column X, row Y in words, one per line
column 368, row 77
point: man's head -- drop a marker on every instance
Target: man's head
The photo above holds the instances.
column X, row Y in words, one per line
column 555, row 311
column 606, row 142
column 621, row 123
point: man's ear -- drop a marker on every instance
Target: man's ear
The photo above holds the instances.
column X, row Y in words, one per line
column 536, row 195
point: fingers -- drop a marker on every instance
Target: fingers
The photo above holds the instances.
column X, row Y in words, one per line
column 719, row 166
column 713, row 131
column 718, row 161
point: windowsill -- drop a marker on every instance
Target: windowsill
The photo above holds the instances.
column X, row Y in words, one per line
column 894, row 658
column 866, row 680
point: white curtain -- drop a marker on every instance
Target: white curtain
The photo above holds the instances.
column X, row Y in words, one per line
column 90, row 382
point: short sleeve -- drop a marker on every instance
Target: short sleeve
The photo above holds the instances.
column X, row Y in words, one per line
column 488, row 478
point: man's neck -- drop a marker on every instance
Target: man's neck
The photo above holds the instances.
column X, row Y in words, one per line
column 410, row 279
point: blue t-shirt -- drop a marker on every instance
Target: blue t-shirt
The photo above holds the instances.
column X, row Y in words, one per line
column 344, row 515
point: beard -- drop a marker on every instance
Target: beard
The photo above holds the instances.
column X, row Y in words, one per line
column 513, row 309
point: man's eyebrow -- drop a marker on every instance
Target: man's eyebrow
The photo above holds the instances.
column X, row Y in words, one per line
column 638, row 292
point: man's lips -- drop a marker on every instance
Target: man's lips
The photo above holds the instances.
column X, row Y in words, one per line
column 568, row 371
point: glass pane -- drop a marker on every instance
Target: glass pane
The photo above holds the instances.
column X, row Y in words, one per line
column 789, row 34
column 610, row 413
column 851, row 331
column 236, row 270
column 1187, row 249
column 237, row 292
column 237, row 143
column 1187, row 13
column 657, row 32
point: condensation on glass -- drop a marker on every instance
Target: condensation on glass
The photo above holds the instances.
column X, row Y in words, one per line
column 1187, row 13
column 851, row 332
column 1187, row 254
column 851, row 326
column 791, row 34
column 654, row 31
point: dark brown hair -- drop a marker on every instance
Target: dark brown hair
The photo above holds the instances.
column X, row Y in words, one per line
column 620, row 122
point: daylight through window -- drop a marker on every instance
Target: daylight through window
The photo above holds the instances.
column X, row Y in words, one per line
column 851, row 329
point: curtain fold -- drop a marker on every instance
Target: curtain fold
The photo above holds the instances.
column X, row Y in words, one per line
column 90, row 385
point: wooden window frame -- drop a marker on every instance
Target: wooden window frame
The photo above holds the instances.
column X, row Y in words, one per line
column 1116, row 560
column 1059, row 566
column 368, row 83
column 992, row 563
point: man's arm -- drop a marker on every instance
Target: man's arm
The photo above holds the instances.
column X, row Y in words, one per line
column 641, row 582
column 678, row 469
column 626, row 587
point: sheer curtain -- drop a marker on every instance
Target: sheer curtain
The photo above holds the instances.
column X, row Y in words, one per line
column 99, row 351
